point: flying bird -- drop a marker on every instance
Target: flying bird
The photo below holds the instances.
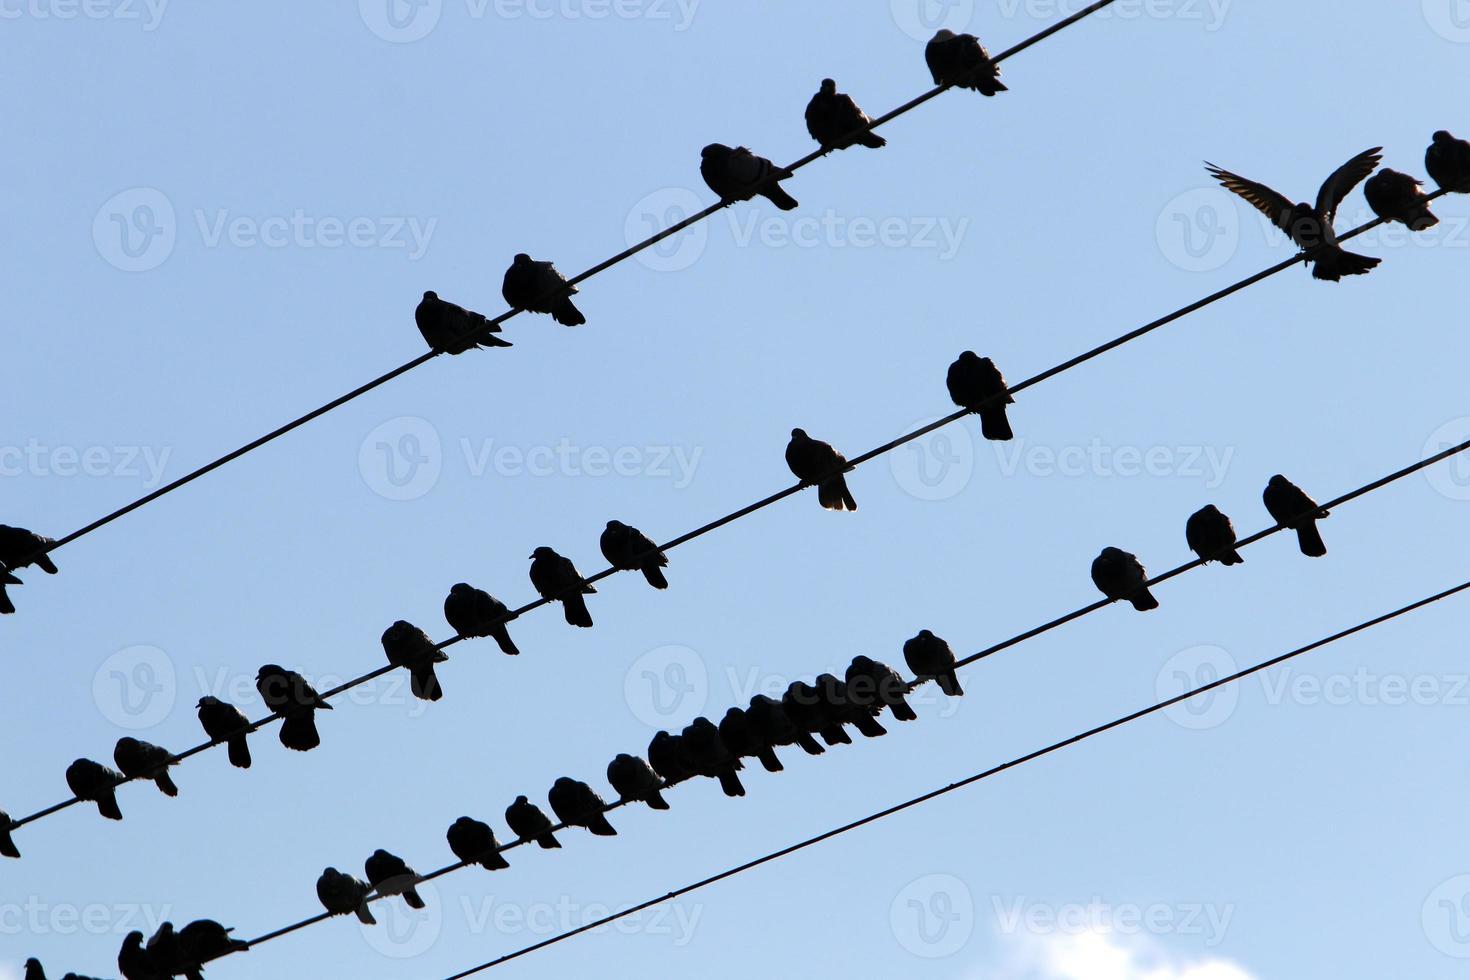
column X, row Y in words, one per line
column 144, row 760
column 556, row 578
column 578, row 805
column 668, row 757
column 452, row 329
column 527, row 822
column 929, row 657
column 975, row 383
column 288, row 694
column 226, row 723
column 739, row 175
column 627, row 548
column 1448, row 163
column 834, row 120
column 539, row 288
column 741, row 738
column 804, row 705
column 1290, row 507
column 20, row 548
column 409, row 647
column 771, row 723
column 1397, row 197
column 709, row 756
column 391, row 875
column 133, row 961
column 7, row 843
column 473, row 612
column 97, row 783
column 203, row 940
column 870, row 681
column 6, row 606
column 1210, row 535
column 961, row 61
column 1310, row 228
column 345, row 894
column 473, row 842
column 815, row 462
column 634, row 779
column 1119, row 575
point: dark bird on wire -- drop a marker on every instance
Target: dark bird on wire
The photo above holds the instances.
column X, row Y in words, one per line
column 473, row 841
column 7, row 843
column 226, row 723
column 391, row 875
column 409, row 647
column 473, row 612
column 578, row 805
column 1397, row 197
column 288, row 694
column 833, row 119
column 1448, row 162
column 527, row 822
column 1119, row 575
column 739, row 175
column 1210, row 535
column 634, row 779
column 453, row 329
column 345, row 894
column 961, row 60
column 871, row 682
column 928, row 656
column 1307, row 226
column 1290, row 507
column 163, row 950
column 771, row 723
column 539, row 288
column 709, row 756
column 975, row 383
column 556, row 578
column 815, row 462
column 743, row 740
column 6, row 606
column 805, row 707
column 95, row 782
column 144, row 760
column 20, row 548
column 669, row 758
column 863, row 717
column 627, row 548
column 205, row 939
column 133, row 961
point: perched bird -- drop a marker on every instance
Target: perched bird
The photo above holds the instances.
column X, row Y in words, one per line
column 634, row 779
column 288, row 694
column 815, row 462
column 1290, row 507
column 960, row 60
column 805, row 707
column 33, row 970
column 203, row 940
column 834, row 120
column 7, row 843
column 527, row 821
column 742, row 740
column 1311, row 227
column 6, row 606
column 539, row 288
column 226, row 723
column 452, row 329
column 1448, row 162
column 875, row 683
column 391, row 875
column 667, row 756
column 975, row 383
column 133, row 961
column 1210, row 535
column 709, row 756
column 95, row 782
column 739, row 175
column 20, row 548
column 928, row 656
column 556, row 578
column 473, row 612
column 771, row 723
column 578, row 805
column 345, row 894
column 863, row 717
column 409, row 647
column 627, row 548
column 1119, row 575
column 474, row 842
column 164, row 953
column 144, row 760
column 1397, row 197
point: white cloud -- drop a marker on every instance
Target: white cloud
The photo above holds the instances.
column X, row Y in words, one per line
column 1103, row 956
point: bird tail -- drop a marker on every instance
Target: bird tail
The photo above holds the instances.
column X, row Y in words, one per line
column 494, row 342
column 49, row 567
column 903, row 711
column 778, row 196
column 656, row 800
column 494, row 861
column 1423, row 219
column 6, row 606
column 166, row 783
column 576, row 610
column 425, row 684
column 548, row 841
column 994, row 424
column 239, row 750
column 988, row 84
column 566, row 313
column 869, row 727
column 730, row 783
column 1143, row 600
column 365, row 915
column 107, row 806
column 809, row 745
column 950, row 684
column 502, row 637
column 413, row 898
column 872, row 140
column 1310, row 540
column 7, row 844
column 655, row 576
column 836, row 735
column 769, row 759
column 834, row 495
column 1231, row 557
column 1333, row 264
column 300, row 734
column 599, row 826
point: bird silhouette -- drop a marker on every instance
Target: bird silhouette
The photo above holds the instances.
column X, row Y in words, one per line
column 804, row 705
column 6, row 606
column 627, row 548
column 557, row 579
column 164, row 952
column 634, row 779
column 96, row 783
column 736, row 174
column 539, row 288
column 1448, row 163
column 287, row 694
column 226, row 723
column 1210, row 535
column 7, row 843
column 741, row 738
column 578, row 805
column 930, row 658
column 1290, row 507
column 452, row 329
column 144, row 760
column 1120, row 575
column 669, row 759
column 709, row 756
column 834, row 120
column 345, row 894
column 474, row 842
column 872, row 682
column 839, row 705
column 526, row 820
column 815, row 462
column 391, row 875
column 473, row 612
column 975, row 383
column 20, row 548
column 770, row 722
column 203, row 940
column 133, row 961
column 1397, row 197
column 961, row 61
column 409, row 647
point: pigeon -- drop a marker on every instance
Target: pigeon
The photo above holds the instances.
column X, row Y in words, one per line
column 627, row 548
column 635, row 780
column 288, row 694
column 709, row 756
column 960, row 60
column 872, row 682
column 345, row 894
column 527, row 821
column 473, row 842
column 804, row 704
column 739, row 175
column 975, row 383
column 578, row 805
column 144, row 760
column 1290, row 507
column 133, row 961
column 7, row 843
column 1311, row 227
column 1448, row 163
column 1211, row 536
column 6, row 606
column 1397, row 197
column 409, row 647
column 473, row 612
column 1119, row 575
column 226, row 723
column 556, row 578
column 848, row 712
column 164, row 952
column 929, row 657
column 816, row 462
column 95, row 782
column 203, row 940
column 741, row 739
column 771, row 723
column 452, row 329
column 668, row 757
column 834, row 120
column 33, row 970
column 391, row 875
column 20, row 548
column 539, row 288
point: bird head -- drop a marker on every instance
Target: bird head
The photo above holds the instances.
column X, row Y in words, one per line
column 1112, row 553
column 522, row 259
column 520, row 801
column 714, row 150
column 430, row 295
column 208, row 701
column 1442, row 136
column 926, row 634
column 614, row 525
column 943, row 34
column 798, row 434
column 829, row 87
column 1277, row 481
column 269, row 670
column 861, row 662
column 543, row 552
column 461, row 588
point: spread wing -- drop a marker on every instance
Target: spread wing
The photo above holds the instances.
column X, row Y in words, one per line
column 1262, row 198
column 1344, row 179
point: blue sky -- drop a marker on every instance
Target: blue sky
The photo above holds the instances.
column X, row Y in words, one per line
column 290, row 179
